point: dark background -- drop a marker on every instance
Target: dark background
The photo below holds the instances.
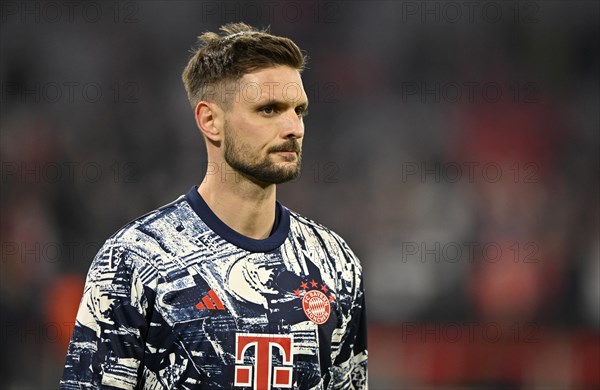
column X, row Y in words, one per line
column 454, row 145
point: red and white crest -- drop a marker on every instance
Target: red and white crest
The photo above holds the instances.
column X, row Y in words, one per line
column 316, row 306
column 315, row 303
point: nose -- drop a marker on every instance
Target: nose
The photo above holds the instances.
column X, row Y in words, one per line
column 293, row 126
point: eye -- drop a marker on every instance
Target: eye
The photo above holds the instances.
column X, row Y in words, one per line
column 268, row 110
column 301, row 111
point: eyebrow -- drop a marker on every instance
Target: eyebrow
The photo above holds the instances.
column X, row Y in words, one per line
column 282, row 103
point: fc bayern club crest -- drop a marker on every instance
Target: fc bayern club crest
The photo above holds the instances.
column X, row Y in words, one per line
column 316, row 302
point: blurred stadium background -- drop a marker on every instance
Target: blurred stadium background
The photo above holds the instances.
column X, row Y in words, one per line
column 454, row 145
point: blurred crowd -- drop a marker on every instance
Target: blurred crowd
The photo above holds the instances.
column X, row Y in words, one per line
column 457, row 155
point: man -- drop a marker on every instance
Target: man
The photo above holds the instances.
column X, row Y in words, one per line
column 225, row 288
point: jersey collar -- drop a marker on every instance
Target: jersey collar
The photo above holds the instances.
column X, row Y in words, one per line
column 278, row 235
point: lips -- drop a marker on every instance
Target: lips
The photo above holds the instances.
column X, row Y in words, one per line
column 288, row 147
column 286, row 151
column 288, row 156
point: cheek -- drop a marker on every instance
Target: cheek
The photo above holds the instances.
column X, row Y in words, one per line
column 255, row 136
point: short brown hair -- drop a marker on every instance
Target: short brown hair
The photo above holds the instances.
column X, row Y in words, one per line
column 241, row 49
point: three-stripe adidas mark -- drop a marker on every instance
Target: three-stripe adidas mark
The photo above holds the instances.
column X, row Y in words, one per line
column 211, row 302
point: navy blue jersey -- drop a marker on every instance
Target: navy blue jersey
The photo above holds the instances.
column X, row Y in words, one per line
column 178, row 300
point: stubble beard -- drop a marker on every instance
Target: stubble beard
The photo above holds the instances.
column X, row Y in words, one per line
column 241, row 158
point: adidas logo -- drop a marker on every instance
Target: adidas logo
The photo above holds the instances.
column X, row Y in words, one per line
column 211, row 302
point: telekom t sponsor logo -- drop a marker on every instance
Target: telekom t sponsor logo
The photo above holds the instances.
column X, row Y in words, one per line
column 263, row 374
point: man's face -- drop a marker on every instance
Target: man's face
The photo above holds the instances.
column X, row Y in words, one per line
column 264, row 128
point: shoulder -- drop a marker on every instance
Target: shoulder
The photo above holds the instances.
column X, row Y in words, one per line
column 340, row 268
column 321, row 235
column 307, row 223
column 139, row 244
column 146, row 227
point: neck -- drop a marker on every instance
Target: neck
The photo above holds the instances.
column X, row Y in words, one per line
column 241, row 204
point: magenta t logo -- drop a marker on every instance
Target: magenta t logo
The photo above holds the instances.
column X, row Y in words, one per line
column 263, row 374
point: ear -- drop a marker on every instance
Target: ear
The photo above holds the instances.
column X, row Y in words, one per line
column 208, row 118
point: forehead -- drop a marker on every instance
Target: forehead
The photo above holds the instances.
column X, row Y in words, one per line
column 281, row 83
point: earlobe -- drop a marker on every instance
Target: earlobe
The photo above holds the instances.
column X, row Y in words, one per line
column 205, row 114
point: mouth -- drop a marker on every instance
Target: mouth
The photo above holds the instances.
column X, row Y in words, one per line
column 288, row 150
column 287, row 154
